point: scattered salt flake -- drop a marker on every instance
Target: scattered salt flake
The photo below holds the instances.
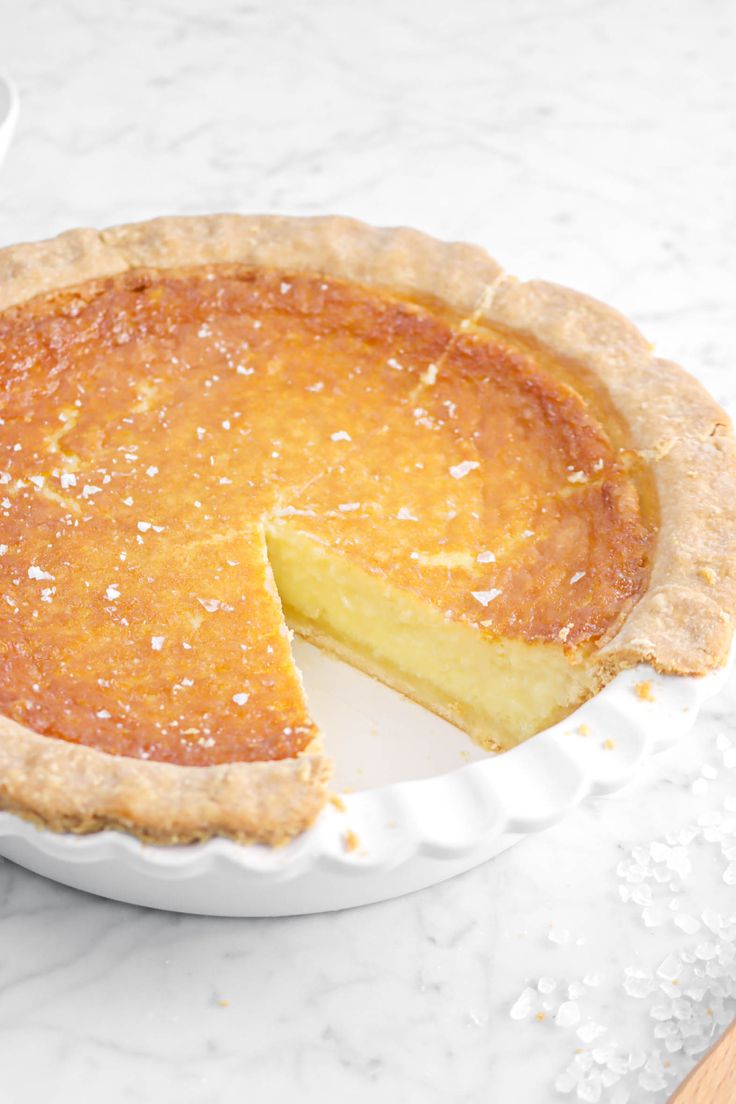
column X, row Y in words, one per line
column 485, row 557
column 346, row 507
column 566, row 1082
column 128, row 501
column 729, row 874
column 546, row 985
column 5, row 477
column 89, row 489
column 654, row 916
column 152, row 470
column 577, row 477
column 144, row 526
column 340, row 435
column 463, row 468
column 568, row 1014
column 652, row 1082
column 670, row 968
column 559, row 936
column 637, row 1058
column 241, row 698
column 638, row 987
column 590, row 1030
column 577, row 577
column 37, row 480
column 68, row 479
column 3, row 549
column 112, row 593
column 485, row 596
column 103, row 714
column 712, row 920
column 35, row 572
column 214, row 604
column 590, row 1090
column 406, row 515
column 393, row 363
column 157, row 643
column 525, row 1005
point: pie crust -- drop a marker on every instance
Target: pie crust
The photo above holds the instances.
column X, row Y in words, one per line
column 682, row 624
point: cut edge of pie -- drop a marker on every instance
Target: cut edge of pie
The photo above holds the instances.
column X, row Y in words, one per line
column 681, row 624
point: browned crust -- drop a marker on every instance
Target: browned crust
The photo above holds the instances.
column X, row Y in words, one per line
column 67, row 787
column 682, row 624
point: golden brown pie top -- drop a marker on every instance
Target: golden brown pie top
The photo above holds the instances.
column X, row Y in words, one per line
column 153, row 421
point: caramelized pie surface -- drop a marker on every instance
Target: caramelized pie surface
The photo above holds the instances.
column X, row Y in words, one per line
column 155, row 424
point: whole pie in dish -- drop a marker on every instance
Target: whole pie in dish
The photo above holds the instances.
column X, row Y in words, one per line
column 488, row 494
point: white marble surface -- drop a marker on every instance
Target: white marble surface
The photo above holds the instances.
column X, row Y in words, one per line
column 591, row 143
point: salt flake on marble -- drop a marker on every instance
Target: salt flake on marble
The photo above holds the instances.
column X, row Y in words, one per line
column 651, row 1082
column 561, row 936
column 546, row 985
column 729, row 874
column 525, row 1005
column 565, row 1082
column 653, row 916
column 590, row 1030
column 670, row 968
column 568, row 1014
column 590, row 1090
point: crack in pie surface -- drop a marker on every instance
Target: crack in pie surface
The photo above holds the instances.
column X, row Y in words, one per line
column 488, row 494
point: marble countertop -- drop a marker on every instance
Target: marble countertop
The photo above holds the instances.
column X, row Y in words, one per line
column 586, row 142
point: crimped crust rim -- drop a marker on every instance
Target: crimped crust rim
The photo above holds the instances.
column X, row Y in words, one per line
column 682, row 624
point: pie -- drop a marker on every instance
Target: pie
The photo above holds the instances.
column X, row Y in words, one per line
column 488, row 494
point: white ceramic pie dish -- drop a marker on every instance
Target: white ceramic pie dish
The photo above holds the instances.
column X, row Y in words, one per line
column 9, row 106
column 421, row 819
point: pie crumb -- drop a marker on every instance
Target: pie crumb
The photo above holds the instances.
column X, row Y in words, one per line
column 707, row 574
column 608, row 745
column 643, row 690
column 338, row 802
column 351, row 840
column 583, row 730
column 223, row 1003
column 539, row 1016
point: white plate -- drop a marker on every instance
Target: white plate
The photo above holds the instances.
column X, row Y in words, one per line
column 8, row 113
column 427, row 804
